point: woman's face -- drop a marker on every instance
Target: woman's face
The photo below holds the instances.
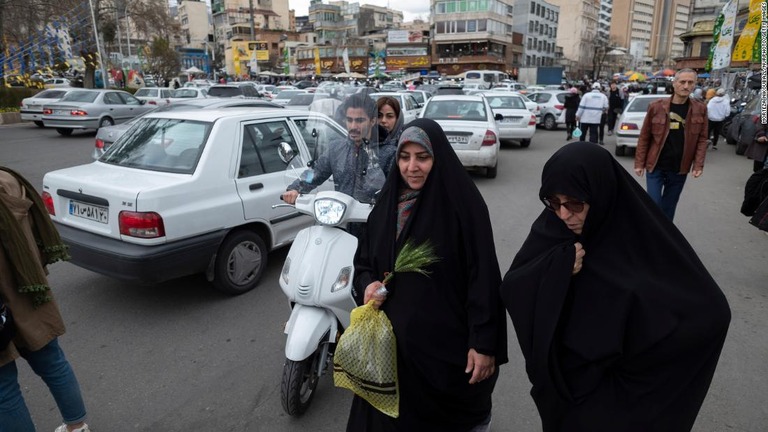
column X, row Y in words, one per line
column 573, row 220
column 387, row 117
column 415, row 163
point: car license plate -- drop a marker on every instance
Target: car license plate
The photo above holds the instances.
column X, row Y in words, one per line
column 89, row 211
column 511, row 119
column 458, row 139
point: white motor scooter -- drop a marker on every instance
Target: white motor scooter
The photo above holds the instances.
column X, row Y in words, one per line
column 317, row 279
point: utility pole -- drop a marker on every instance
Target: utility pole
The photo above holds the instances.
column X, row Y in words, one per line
column 104, row 77
column 253, row 30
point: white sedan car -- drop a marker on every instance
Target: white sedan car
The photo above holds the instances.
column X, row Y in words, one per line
column 470, row 126
column 32, row 107
column 187, row 192
column 631, row 121
column 408, row 105
column 157, row 96
column 516, row 122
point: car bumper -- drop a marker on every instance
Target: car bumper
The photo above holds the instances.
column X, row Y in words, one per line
column 626, row 140
column 485, row 157
column 28, row 115
column 516, row 132
column 137, row 263
column 84, row 123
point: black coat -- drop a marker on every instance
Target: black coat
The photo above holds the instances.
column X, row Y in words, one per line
column 572, row 101
column 631, row 342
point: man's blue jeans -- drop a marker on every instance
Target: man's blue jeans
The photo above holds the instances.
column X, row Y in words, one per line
column 50, row 364
column 665, row 188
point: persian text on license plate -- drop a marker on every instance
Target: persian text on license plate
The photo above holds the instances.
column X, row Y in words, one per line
column 458, row 139
column 89, row 211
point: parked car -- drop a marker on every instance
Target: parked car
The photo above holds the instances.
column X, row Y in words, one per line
column 450, row 90
column 304, row 84
column 187, row 192
column 92, row 109
column 393, row 85
column 31, row 108
column 56, row 83
column 234, row 90
column 470, row 126
column 301, row 101
column 285, row 96
column 408, row 105
column 108, row 135
column 154, row 95
column 511, row 86
column 421, row 96
column 631, row 121
column 551, row 107
column 473, row 86
column 744, row 125
column 186, row 93
column 266, row 90
column 516, row 122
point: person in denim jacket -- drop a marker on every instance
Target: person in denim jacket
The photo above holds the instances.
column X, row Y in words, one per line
column 672, row 142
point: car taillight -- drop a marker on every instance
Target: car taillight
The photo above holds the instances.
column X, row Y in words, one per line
column 628, row 126
column 489, row 138
column 99, row 143
column 532, row 121
column 78, row 113
column 559, row 107
column 48, row 201
column 141, row 224
column 47, row 111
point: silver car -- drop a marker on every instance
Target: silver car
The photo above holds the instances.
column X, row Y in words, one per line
column 551, row 106
column 631, row 121
column 92, row 109
column 32, row 107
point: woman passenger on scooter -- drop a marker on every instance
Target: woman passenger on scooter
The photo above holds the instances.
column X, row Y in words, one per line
column 449, row 325
column 391, row 122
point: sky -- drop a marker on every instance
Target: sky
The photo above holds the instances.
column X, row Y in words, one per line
column 411, row 9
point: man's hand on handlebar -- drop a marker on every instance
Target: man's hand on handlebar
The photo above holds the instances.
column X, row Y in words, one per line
column 290, row 196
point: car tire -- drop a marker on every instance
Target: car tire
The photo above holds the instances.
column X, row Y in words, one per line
column 620, row 150
column 240, row 262
column 106, row 122
column 39, row 124
column 491, row 172
column 525, row 143
column 549, row 122
column 64, row 131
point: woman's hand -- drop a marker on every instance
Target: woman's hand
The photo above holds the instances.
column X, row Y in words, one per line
column 372, row 293
column 481, row 366
column 579, row 258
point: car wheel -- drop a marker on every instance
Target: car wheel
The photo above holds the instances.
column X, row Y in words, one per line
column 525, row 143
column 64, row 131
column 550, row 122
column 105, row 122
column 240, row 262
column 620, row 150
column 39, row 124
column 491, row 172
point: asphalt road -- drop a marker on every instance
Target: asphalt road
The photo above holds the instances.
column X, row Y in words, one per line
column 182, row 357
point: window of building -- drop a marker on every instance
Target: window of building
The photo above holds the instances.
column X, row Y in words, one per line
column 705, row 47
column 533, row 7
column 471, row 26
column 461, row 26
column 482, row 25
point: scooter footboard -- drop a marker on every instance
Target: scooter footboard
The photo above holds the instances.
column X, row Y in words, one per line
column 305, row 328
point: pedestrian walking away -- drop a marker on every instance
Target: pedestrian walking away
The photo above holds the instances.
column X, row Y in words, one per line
column 572, row 100
column 449, row 324
column 620, row 323
column 672, row 142
column 29, row 243
column 615, row 105
column 718, row 108
column 591, row 109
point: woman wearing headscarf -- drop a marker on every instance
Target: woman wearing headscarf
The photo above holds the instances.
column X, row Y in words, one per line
column 391, row 122
column 572, row 101
column 620, row 323
column 449, row 325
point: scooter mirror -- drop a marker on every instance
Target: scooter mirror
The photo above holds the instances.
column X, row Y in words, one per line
column 286, row 152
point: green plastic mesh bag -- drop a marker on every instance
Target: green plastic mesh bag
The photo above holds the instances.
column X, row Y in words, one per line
column 366, row 360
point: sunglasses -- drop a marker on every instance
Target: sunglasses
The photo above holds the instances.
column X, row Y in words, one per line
column 554, row 204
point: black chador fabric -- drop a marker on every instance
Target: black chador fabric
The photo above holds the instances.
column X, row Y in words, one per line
column 631, row 342
column 436, row 318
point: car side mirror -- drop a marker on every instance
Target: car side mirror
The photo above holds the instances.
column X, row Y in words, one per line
column 142, row 101
column 285, row 152
column 498, row 117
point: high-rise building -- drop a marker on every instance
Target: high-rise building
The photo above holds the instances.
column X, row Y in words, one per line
column 194, row 21
column 604, row 20
column 578, row 33
column 538, row 21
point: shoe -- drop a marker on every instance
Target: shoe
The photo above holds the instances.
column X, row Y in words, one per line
column 602, row 143
column 610, row 132
column 714, row 147
column 63, row 428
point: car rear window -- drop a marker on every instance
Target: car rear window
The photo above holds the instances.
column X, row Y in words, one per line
column 224, row 91
column 80, row 96
column 184, row 93
column 158, row 144
column 641, row 104
column 51, row 94
column 456, row 110
column 146, row 93
column 508, row 102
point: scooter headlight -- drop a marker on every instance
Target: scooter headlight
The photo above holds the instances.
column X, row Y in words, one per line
column 286, row 270
column 342, row 281
column 329, row 211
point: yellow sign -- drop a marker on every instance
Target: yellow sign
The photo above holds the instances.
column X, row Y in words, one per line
column 743, row 49
column 244, row 50
column 317, row 61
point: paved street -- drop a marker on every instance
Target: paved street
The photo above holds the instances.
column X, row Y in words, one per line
column 182, row 357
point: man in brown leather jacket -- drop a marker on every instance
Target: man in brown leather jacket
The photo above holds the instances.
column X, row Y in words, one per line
column 673, row 139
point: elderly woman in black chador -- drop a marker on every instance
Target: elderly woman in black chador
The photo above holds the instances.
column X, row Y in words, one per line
column 450, row 324
column 620, row 323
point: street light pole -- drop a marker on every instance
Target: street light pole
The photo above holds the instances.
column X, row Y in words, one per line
column 104, row 78
column 253, row 29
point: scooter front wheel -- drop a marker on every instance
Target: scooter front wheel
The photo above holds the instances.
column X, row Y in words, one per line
column 298, row 384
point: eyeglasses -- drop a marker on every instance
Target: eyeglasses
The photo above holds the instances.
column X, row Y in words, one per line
column 554, row 204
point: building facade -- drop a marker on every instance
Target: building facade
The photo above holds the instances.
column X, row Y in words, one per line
column 577, row 34
column 538, row 21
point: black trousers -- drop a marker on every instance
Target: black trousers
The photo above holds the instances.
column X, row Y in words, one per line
column 612, row 116
column 714, row 131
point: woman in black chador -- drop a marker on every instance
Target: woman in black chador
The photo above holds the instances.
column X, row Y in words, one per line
column 620, row 323
column 449, row 325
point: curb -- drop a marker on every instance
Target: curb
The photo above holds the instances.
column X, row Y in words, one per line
column 10, row 118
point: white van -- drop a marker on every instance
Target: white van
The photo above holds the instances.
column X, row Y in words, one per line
column 485, row 78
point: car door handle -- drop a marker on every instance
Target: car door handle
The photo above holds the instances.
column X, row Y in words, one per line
column 255, row 186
